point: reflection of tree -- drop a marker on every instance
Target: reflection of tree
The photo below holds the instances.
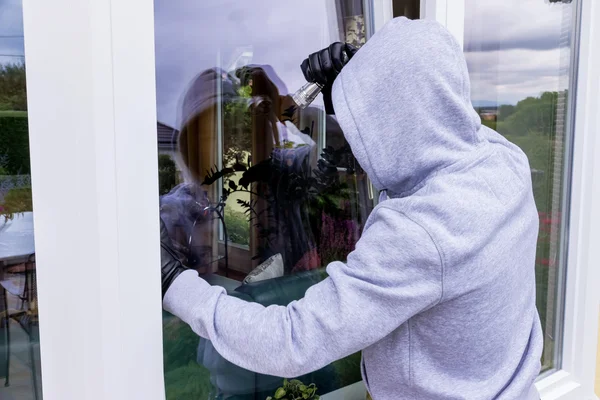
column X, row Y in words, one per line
column 532, row 125
column 533, row 115
column 13, row 95
column 167, row 174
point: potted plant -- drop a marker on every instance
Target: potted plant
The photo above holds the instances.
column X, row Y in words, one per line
column 295, row 390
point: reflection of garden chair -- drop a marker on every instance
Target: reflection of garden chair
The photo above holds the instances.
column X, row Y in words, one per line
column 26, row 316
column 246, row 385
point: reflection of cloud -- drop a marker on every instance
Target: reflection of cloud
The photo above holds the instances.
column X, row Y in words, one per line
column 510, row 75
column 11, row 31
column 192, row 36
column 512, row 24
column 513, row 48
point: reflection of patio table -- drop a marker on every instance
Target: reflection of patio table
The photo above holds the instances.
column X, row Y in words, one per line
column 16, row 239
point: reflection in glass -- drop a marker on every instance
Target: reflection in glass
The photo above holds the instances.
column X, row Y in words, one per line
column 19, row 330
column 521, row 72
column 258, row 196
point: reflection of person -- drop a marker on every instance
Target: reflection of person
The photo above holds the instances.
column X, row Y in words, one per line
column 261, row 123
column 440, row 291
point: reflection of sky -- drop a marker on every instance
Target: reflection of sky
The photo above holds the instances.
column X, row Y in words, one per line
column 11, row 31
column 512, row 46
column 191, row 35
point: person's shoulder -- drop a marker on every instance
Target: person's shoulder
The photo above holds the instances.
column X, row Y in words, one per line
column 396, row 212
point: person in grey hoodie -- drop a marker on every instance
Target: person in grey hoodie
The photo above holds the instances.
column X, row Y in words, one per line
column 439, row 293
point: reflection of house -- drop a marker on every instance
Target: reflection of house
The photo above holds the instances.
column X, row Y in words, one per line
column 167, row 144
column 167, row 138
column 489, row 115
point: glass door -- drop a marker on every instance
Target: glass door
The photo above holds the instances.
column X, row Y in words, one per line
column 276, row 192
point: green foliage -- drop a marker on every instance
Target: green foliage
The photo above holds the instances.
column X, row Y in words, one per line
column 12, row 113
column 180, row 343
column 237, row 126
column 167, row 174
column 531, row 125
column 530, row 115
column 16, row 201
column 348, row 370
column 184, row 378
column 506, row 110
column 13, row 92
column 238, row 227
column 189, row 382
column 540, row 152
column 489, row 124
column 14, row 142
column 295, row 390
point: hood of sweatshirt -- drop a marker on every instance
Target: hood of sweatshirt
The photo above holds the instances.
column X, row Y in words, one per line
column 404, row 116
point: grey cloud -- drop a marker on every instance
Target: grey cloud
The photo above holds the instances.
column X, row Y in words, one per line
column 516, row 48
column 11, row 31
column 11, row 17
column 538, row 42
column 510, row 75
column 512, row 46
column 515, row 24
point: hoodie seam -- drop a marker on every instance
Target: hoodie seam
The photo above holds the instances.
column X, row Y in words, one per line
column 341, row 77
column 437, row 247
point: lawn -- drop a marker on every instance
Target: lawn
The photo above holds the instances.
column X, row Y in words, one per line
column 13, row 113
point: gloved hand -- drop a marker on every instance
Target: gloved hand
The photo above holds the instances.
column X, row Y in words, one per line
column 325, row 65
column 171, row 267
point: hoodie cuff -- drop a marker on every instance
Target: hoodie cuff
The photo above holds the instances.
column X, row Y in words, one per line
column 193, row 300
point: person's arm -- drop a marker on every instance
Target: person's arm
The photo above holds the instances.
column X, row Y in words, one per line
column 394, row 273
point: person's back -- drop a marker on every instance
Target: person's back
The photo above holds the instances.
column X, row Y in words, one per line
column 483, row 339
column 440, row 291
column 470, row 190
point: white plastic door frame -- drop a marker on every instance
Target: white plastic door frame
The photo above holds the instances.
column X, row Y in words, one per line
column 450, row 13
column 92, row 122
column 575, row 379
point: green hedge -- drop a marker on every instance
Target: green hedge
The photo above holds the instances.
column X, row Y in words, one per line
column 14, row 142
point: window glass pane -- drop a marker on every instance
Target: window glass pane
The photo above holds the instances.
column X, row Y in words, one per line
column 275, row 191
column 19, row 333
column 519, row 55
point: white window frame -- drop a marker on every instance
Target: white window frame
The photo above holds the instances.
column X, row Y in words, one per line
column 92, row 119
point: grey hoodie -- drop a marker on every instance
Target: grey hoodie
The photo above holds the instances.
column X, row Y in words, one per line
column 440, row 291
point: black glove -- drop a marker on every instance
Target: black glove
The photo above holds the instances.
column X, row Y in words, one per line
column 325, row 65
column 171, row 267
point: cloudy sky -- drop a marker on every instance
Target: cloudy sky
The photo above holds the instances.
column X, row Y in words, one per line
column 11, row 31
column 193, row 35
column 513, row 47
column 516, row 48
